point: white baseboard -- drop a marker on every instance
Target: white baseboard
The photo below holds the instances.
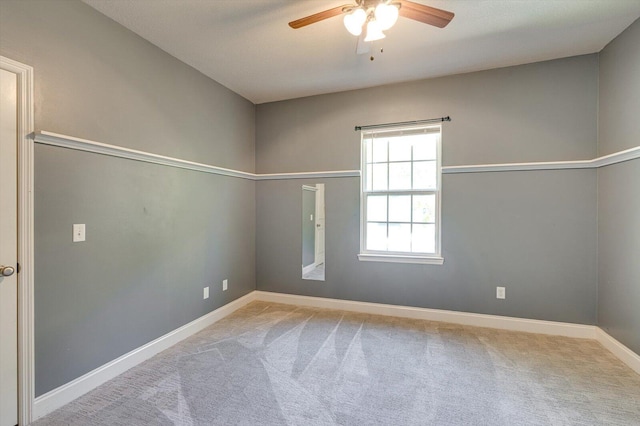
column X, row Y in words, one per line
column 58, row 397
column 463, row 318
column 625, row 354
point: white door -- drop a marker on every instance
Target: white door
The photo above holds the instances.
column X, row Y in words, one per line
column 320, row 223
column 8, row 250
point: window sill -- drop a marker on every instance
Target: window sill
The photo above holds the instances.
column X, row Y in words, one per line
column 431, row 260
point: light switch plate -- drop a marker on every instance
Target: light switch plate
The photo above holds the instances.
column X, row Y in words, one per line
column 225, row 285
column 205, row 295
column 79, row 232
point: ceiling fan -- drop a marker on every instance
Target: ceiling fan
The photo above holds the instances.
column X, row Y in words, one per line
column 376, row 16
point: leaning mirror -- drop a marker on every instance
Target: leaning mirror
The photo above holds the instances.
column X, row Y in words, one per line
column 313, row 232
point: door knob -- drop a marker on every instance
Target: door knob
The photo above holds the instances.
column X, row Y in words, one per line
column 6, row 271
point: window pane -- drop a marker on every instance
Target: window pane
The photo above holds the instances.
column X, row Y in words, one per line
column 399, row 208
column 400, row 237
column 367, row 150
column 424, row 208
column 399, row 149
column 377, row 208
column 379, row 150
column 376, row 236
column 401, row 184
column 399, row 176
column 424, row 238
column 425, row 148
column 379, row 180
column 424, row 175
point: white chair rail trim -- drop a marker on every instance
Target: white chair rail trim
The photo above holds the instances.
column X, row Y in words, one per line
column 617, row 157
column 54, row 139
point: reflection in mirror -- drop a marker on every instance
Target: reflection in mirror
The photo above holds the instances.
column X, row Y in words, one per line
column 313, row 232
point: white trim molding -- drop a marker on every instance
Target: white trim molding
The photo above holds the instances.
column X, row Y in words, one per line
column 519, row 167
column 66, row 393
column 616, row 157
column 70, row 142
column 25, row 121
column 308, row 175
column 622, row 352
column 462, row 318
column 395, row 258
column 78, row 144
column 55, row 139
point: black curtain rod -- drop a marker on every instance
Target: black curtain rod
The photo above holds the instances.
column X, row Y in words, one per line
column 404, row 123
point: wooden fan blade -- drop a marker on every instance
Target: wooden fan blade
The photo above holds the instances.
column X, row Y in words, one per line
column 429, row 15
column 316, row 17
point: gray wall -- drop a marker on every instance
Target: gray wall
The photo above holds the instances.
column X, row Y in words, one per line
column 155, row 235
column 532, row 232
column 619, row 191
column 544, row 111
column 95, row 79
column 619, row 98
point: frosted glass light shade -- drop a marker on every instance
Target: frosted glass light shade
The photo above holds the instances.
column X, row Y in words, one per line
column 354, row 21
column 386, row 15
column 374, row 31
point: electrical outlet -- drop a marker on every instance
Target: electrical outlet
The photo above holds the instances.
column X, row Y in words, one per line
column 79, row 232
column 205, row 295
column 500, row 293
column 225, row 285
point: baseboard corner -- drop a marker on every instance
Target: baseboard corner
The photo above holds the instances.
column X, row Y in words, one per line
column 622, row 352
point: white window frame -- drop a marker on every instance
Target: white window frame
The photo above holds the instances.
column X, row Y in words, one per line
column 395, row 256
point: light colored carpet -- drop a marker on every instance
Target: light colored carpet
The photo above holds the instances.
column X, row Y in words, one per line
column 271, row 364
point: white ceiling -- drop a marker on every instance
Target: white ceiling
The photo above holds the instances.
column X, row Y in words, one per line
column 247, row 45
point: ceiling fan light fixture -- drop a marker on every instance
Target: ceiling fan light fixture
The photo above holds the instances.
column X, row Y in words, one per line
column 374, row 31
column 354, row 21
column 386, row 15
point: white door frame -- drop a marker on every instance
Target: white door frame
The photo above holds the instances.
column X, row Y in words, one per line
column 26, row 383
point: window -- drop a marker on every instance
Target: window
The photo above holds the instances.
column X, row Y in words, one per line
column 400, row 205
